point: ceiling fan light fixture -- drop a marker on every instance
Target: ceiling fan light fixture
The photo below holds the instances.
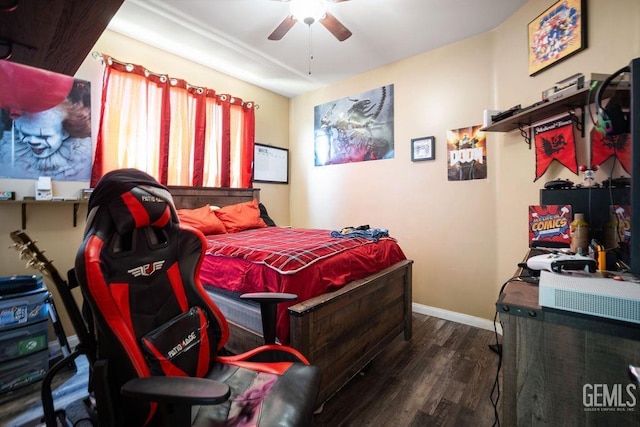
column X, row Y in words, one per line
column 308, row 11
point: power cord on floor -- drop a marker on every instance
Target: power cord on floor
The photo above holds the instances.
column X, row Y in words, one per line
column 497, row 348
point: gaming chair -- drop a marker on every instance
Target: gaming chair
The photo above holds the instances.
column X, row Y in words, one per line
column 159, row 336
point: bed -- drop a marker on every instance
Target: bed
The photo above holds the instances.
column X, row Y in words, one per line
column 341, row 330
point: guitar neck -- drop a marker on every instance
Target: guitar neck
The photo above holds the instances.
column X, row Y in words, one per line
column 39, row 261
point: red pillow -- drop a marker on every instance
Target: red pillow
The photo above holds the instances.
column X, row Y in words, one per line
column 241, row 216
column 203, row 219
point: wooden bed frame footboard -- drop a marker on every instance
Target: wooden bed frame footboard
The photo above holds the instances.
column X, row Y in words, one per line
column 342, row 331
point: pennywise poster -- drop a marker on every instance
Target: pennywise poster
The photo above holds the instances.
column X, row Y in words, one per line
column 355, row 129
column 45, row 124
column 467, row 154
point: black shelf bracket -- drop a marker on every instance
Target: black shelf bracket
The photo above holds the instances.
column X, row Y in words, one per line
column 24, row 216
column 526, row 134
column 579, row 121
column 76, row 208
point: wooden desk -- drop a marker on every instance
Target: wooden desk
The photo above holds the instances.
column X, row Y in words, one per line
column 556, row 365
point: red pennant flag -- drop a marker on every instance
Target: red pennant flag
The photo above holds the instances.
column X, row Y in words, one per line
column 554, row 141
column 603, row 147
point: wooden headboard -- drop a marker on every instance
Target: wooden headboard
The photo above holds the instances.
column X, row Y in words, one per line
column 194, row 197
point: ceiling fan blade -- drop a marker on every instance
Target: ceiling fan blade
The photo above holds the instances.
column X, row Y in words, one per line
column 283, row 28
column 335, row 27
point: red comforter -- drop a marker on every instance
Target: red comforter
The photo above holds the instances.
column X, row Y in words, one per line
column 306, row 262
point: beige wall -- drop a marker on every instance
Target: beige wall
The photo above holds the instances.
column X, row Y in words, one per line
column 52, row 224
column 465, row 237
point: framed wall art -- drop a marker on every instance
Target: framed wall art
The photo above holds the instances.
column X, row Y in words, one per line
column 45, row 124
column 270, row 164
column 466, row 154
column 423, row 148
column 556, row 34
column 356, row 128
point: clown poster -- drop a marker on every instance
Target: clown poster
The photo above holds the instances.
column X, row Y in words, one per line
column 466, row 154
column 550, row 223
column 45, row 124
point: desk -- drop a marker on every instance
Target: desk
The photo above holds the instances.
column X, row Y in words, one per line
column 558, row 366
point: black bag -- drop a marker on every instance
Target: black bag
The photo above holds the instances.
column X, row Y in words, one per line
column 176, row 347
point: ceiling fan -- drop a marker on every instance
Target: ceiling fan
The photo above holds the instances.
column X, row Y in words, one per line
column 310, row 11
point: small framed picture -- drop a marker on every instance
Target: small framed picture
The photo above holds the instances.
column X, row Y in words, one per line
column 423, row 148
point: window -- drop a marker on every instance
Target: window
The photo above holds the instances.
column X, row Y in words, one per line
column 178, row 133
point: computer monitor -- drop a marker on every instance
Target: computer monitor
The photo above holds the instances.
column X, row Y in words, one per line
column 634, row 118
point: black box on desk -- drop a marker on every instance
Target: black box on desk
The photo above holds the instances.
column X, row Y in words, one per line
column 594, row 203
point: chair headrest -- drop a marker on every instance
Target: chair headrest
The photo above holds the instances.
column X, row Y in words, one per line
column 139, row 208
column 133, row 199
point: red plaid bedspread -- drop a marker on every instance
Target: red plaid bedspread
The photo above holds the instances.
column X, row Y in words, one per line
column 286, row 250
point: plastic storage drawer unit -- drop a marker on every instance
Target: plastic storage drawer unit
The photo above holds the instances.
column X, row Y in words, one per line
column 24, row 371
column 19, row 342
column 24, row 326
column 23, row 299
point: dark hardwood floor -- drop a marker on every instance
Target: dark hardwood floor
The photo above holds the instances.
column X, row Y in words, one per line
column 442, row 377
column 23, row 407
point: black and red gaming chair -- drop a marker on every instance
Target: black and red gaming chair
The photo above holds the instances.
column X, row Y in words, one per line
column 159, row 335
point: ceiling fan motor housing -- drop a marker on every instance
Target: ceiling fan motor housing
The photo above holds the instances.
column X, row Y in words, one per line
column 310, row 11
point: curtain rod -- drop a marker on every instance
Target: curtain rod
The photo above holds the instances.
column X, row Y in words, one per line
column 129, row 67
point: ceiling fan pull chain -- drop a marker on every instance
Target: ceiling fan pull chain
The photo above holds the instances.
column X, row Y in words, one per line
column 310, row 51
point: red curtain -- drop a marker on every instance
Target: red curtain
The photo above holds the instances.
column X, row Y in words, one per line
column 178, row 133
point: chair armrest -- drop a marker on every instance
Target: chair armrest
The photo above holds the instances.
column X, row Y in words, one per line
column 177, row 390
column 268, row 307
column 269, row 297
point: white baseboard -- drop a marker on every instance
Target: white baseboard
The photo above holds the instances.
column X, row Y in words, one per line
column 453, row 316
column 465, row 319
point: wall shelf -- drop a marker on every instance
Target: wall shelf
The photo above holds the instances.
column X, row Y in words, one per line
column 579, row 100
column 24, row 203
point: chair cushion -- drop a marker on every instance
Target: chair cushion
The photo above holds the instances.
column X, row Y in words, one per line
column 263, row 399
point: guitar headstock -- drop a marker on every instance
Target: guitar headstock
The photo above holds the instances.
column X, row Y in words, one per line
column 30, row 252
